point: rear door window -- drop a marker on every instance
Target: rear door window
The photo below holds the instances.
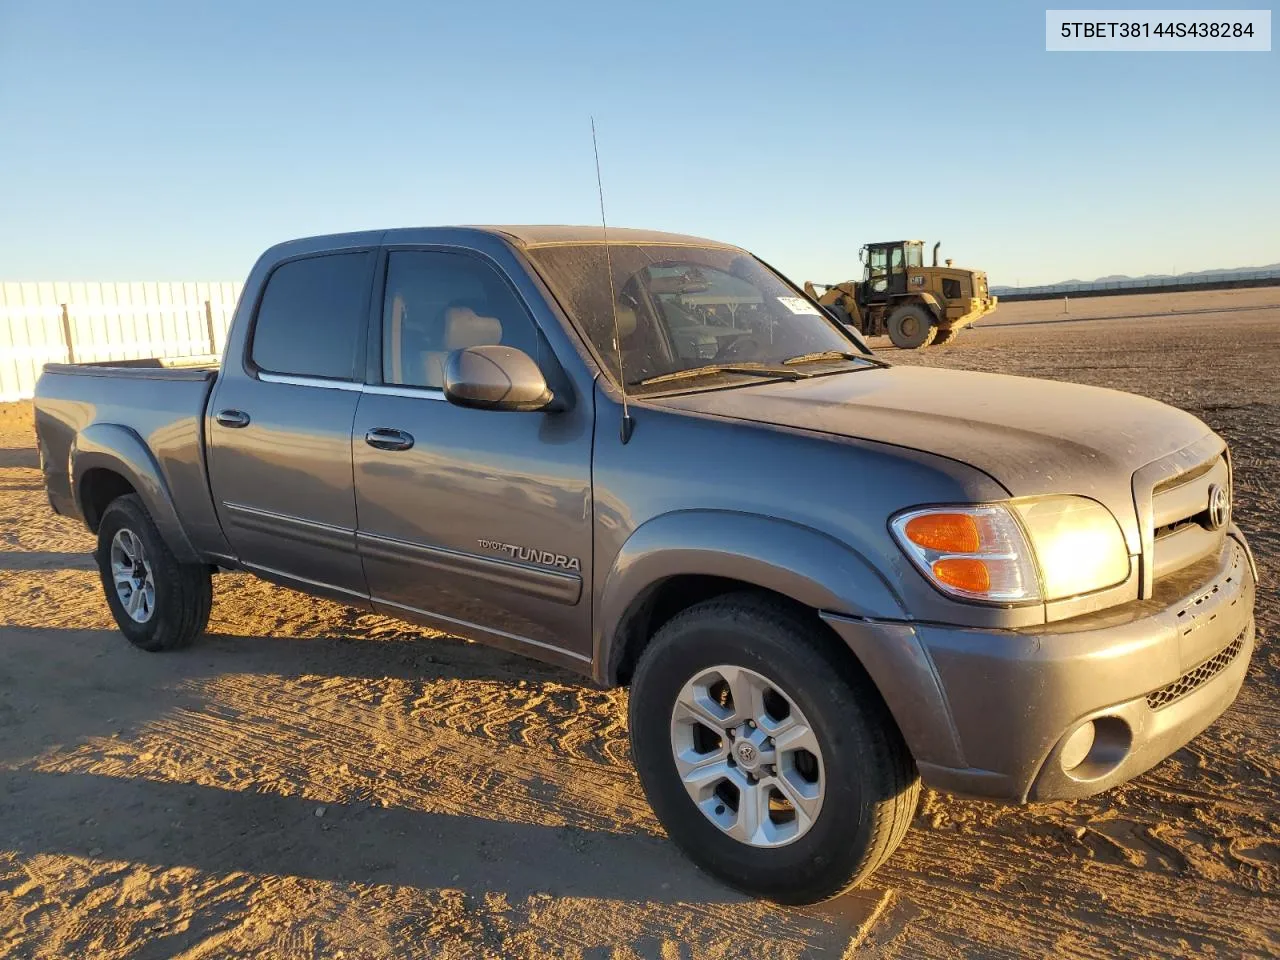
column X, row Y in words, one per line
column 311, row 319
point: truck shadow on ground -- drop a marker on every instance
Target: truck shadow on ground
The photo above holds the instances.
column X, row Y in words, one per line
column 19, row 457
column 47, row 560
column 394, row 654
column 225, row 831
column 61, row 706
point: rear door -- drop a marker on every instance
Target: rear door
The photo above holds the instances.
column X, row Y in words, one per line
column 280, row 426
column 475, row 519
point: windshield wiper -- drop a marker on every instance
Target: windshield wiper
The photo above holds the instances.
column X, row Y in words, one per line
column 831, row 355
column 755, row 370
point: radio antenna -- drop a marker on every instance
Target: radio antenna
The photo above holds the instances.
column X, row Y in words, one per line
column 628, row 425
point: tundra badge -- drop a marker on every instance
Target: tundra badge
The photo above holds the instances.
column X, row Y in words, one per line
column 533, row 555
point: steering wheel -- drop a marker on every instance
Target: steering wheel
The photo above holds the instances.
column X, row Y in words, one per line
column 745, row 347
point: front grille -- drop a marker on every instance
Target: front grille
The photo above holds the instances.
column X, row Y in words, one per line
column 1183, row 531
column 1195, row 473
column 1171, row 528
column 1196, row 676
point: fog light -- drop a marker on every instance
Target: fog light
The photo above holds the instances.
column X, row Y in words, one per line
column 1078, row 745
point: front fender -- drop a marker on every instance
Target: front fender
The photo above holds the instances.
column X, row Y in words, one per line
column 804, row 564
column 811, row 568
column 931, row 302
column 111, row 446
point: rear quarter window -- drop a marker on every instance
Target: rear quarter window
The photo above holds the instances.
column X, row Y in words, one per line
column 310, row 322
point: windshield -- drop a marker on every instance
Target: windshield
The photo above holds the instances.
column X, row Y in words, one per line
column 680, row 308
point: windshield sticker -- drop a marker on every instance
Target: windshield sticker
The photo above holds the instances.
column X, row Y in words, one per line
column 799, row 305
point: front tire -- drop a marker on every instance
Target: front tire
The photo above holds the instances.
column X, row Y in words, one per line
column 911, row 327
column 158, row 603
column 793, row 815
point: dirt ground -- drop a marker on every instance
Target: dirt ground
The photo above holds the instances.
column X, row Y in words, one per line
column 309, row 782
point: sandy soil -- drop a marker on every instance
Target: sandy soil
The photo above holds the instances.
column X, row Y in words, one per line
column 309, row 782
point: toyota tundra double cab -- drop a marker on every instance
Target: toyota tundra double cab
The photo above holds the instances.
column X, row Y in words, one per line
column 652, row 459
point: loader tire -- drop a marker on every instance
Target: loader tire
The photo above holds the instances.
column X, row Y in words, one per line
column 911, row 327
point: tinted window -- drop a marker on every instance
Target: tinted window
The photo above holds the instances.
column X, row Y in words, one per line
column 312, row 315
column 436, row 303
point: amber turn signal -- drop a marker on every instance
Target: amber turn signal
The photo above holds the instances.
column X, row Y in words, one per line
column 944, row 532
column 973, row 552
column 963, row 573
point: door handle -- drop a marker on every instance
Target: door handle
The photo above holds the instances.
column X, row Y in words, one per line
column 232, row 418
column 385, row 438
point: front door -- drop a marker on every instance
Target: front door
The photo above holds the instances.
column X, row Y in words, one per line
column 478, row 520
column 897, row 271
column 877, row 284
column 280, row 430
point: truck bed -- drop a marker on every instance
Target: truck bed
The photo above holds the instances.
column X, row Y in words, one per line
column 161, row 402
column 152, row 368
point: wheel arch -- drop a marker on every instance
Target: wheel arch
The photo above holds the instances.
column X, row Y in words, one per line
column 926, row 300
column 110, row 460
column 681, row 558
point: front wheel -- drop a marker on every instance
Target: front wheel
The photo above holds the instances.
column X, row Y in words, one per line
column 158, row 603
column 766, row 753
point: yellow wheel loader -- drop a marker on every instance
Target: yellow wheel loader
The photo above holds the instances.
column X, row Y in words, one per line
column 898, row 295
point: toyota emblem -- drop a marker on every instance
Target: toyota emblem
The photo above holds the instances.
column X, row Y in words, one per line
column 1219, row 507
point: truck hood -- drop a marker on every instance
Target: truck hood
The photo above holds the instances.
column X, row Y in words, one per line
column 1034, row 437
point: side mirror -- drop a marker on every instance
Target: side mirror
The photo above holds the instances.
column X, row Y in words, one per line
column 494, row 377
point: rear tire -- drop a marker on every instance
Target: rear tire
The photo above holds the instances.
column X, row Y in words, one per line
column 911, row 327
column 863, row 777
column 158, row 603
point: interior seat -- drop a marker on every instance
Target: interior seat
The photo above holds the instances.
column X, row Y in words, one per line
column 463, row 327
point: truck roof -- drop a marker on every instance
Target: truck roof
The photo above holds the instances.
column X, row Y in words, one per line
column 526, row 236
column 546, row 235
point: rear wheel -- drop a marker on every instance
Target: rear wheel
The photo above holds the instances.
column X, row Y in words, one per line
column 766, row 752
column 158, row 603
column 911, row 327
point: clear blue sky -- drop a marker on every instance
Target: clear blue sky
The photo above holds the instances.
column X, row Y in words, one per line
column 174, row 140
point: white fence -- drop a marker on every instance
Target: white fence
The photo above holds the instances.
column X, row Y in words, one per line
column 83, row 322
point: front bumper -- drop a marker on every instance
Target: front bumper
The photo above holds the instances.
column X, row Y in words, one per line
column 992, row 713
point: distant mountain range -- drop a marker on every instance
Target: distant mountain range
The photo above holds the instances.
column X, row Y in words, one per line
column 1150, row 277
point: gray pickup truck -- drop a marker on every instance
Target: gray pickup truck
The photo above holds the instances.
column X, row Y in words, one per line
column 654, row 460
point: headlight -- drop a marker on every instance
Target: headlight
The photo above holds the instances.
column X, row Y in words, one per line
column 1016, row 552
column 1078, row 544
